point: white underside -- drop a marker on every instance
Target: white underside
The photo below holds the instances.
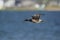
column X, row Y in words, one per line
column 37, row 21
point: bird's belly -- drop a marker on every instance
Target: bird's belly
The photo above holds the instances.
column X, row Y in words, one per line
column 35, row 21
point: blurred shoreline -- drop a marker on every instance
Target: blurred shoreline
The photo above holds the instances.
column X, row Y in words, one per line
column 48, row 5
column 28, row 8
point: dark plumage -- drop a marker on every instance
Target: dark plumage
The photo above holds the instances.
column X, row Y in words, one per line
column 35, row 18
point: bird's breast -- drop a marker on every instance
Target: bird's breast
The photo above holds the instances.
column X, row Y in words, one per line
column 36, row 21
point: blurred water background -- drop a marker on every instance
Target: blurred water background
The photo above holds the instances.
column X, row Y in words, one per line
column 13, row 27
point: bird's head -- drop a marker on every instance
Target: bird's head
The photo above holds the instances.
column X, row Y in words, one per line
column 37, row 15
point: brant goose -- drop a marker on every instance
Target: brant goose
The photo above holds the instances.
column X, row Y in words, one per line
column 35, row 19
